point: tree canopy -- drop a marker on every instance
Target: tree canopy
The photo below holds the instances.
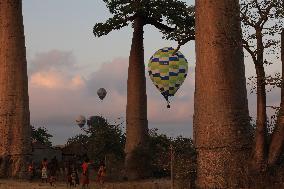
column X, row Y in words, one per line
column 101, row 139
column 41, row 135
column 172, row 17
column 265, row 17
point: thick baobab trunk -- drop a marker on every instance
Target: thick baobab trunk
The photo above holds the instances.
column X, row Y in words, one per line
column 260, row 141
column 15, row 145
column 136, row 110
column 277, row 140
column 221, row 119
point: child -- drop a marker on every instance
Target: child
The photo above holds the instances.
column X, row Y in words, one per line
column 44, row 170
column 69, row 178
column 73, row 178
column 52, row 167
column 44, row 175
column 101, row 174
column 31, row 171
column 77, row 178
column 85, row 174
column 52, row 180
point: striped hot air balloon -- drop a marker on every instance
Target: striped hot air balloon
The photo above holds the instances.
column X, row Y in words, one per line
column 167, row 71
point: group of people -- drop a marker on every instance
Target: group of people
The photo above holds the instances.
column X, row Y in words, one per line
column 49, row 172
column 100, row 178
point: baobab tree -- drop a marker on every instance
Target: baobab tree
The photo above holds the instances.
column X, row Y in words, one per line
column 222, row 133
column 223, row 155
column 176, row 21
column 15, row 135
column 260, row 23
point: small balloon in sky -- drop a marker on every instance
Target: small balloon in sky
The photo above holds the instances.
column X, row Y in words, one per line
column 101, row 93
column 81, row 121
column 167, row 71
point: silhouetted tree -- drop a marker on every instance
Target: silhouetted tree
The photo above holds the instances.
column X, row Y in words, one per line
column 101, row 139
column 260, row 22
column 41, row 135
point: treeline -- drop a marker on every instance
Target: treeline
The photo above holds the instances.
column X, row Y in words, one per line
column 103, row 141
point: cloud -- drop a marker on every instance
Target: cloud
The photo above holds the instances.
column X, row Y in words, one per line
column 56, row 80
column 52, row 60
column 54, row 70
column 111, row 75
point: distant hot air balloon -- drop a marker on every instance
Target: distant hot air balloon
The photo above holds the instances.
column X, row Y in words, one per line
column 101, row 93
column 167, row 71
column 81, row 121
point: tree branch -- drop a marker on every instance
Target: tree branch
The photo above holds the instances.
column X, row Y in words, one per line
column 258, row 8
column 247, row 47
column 180, row 43
column 264, row 16
column 158, row 25
column 245, row 18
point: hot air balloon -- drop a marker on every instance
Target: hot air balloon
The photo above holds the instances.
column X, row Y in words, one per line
column 81, row 121
column 167, row 71
column 101, row 93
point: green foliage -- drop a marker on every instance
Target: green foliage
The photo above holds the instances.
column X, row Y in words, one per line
column 41, row 135
column 101, row 139
column 105, row 139
column 78, row 144
column 185, row 161
column 172, row 17
column 144, row 156
column 184, row 156
column 159, row 145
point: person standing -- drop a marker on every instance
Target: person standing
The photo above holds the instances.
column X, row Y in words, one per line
column 101, row 174
column 85, row 174
column 53, row 167
column 44, row 170
column 68, row 171
column 31, row 171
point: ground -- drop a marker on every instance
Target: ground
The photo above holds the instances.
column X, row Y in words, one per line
column 150, row 184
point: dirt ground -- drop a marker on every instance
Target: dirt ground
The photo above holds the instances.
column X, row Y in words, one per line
column 19, row 184
column 150, row 184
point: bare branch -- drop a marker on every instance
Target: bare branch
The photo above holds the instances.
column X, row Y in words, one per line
column 247, row 47
column 246, row 20
column 264, row 16
column 259, row 8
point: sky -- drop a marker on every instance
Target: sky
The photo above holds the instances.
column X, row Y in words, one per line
column 67, row 64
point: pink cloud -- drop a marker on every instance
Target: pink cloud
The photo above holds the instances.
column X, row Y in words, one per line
column 56, row 80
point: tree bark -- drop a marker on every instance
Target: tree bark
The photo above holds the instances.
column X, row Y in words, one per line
column 260, row 148
column 222, row 133
column 15, row 144
column 136, row 109
column 277, row 140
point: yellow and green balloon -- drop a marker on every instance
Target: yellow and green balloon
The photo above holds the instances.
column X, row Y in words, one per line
column 167, row 71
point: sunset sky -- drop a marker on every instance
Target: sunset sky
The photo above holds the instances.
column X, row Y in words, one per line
column 67, row 64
